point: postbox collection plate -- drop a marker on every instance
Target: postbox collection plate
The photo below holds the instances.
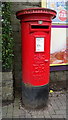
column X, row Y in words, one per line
column 39, row 44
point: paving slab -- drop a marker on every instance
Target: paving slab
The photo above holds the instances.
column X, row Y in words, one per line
column 56, row 108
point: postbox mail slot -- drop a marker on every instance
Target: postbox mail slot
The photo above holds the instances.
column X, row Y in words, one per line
column 37, row 27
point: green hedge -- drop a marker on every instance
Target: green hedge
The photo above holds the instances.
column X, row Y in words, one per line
column 7, row 38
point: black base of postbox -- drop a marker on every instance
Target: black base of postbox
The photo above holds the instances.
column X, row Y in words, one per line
column 35, row 97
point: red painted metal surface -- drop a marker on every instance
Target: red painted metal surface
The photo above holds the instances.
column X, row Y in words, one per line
column 36, row 32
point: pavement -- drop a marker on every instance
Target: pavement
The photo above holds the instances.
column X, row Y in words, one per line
column 56, row 108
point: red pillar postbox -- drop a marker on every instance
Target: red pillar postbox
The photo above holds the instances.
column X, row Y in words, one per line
column 36, row 32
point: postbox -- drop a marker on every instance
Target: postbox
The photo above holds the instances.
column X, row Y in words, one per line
column 36, row 34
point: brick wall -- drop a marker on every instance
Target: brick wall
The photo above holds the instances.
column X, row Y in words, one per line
column 54, row 76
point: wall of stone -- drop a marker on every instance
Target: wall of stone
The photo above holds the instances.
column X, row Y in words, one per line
column 7, row 86
column 58, row 80
column 54, row 76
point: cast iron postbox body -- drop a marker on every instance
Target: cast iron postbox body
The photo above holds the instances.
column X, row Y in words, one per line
column 36, row 32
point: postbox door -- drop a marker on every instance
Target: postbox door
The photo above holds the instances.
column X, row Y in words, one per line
column 41, row 58
column 35, row 54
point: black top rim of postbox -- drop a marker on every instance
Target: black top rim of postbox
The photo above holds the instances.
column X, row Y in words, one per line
column 36, row 10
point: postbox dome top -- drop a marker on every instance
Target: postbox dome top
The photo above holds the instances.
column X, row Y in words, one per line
column 39, row 10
